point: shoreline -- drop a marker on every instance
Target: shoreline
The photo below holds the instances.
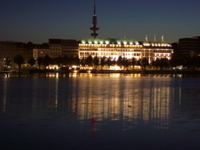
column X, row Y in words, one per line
column 107, row 71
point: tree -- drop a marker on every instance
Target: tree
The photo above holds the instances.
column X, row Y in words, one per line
column 46, row 61
column 19, row 60
column 155, row 63
column 96, row 61
column 120, row 61
column 114, row 61
column 39, row 61
column 144, row 62
column 65, row 60
column 89, row 60
column 57, row 60
column 108, row 62
column 133, row 61
column 164, row 63
column 76, row 61
column 31, row 61
column 125, row 63
column 70, row 60
column 82, row 61
column 103, row 61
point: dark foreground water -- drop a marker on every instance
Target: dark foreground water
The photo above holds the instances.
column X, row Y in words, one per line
column 99, row 112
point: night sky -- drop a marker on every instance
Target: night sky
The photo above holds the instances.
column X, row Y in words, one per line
column 39, row 20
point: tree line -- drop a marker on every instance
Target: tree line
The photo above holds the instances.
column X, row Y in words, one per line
column 162, row 63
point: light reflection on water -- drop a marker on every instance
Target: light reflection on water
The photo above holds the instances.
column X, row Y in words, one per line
column 101, row 105
column 124, row 99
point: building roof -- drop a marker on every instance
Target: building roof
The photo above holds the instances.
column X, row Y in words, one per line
column 110, row 41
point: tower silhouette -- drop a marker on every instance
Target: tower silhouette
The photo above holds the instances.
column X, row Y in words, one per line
column 94, row 27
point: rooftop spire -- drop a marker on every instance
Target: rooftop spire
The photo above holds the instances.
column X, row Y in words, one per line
column 94, row 27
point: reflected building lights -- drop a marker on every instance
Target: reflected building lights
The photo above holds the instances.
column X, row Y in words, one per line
column 74, row 75
column 115, row 97
column 149, row 105
column 56, row 91
column 116, row 75
column 53, row 99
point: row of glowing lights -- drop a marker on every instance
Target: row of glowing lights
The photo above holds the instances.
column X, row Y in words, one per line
column 125, row 45
column 158, row 45
column 108, row 42
column 111, row 45
column 74, row 74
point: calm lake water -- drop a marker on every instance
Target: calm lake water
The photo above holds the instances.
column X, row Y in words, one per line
column 99, row 111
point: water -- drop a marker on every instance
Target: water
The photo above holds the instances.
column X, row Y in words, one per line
column 99, row 111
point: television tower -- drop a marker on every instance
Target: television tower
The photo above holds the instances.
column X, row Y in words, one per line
column 94, row 27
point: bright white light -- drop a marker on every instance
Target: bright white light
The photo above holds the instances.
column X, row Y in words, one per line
column 75, row 67
column 107, row 42
column 125, row 42
column 115, row 68
column 146, row 44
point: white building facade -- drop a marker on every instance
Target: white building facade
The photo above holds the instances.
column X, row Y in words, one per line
column 129, row 49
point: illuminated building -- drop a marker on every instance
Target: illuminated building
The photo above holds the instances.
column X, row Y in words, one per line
column 129, row 49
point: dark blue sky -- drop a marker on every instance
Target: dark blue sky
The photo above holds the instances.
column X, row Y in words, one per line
column 39, row 20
